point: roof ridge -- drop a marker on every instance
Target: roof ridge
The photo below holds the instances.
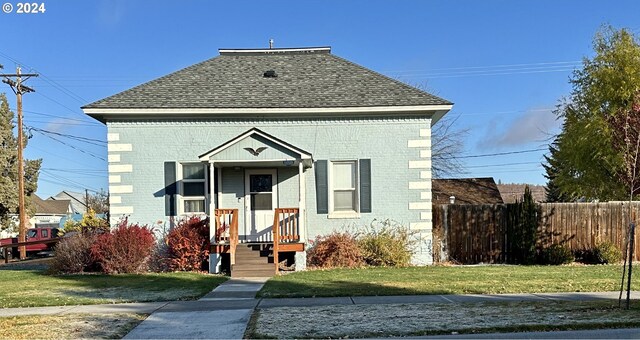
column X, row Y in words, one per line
column 267, row 51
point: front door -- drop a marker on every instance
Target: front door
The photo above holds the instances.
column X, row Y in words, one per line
column 261, row 199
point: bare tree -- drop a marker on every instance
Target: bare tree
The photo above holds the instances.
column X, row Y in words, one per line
column 99, row 202
column 447, row 144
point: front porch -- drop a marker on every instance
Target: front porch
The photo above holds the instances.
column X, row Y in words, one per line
column 256, row 195
column 250, row 258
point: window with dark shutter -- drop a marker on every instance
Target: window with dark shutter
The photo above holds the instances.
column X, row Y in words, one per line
column 170, row 188
column 365, row 185
column 322, row 187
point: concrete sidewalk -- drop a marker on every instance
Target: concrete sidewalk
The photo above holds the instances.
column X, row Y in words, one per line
column 222, row 299
column 225, row 312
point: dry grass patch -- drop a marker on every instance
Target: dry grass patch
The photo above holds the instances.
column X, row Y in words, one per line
column 342, row 321
column 69, row 326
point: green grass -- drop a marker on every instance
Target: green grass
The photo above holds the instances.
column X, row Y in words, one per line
column 447, row 280
column 25, row 288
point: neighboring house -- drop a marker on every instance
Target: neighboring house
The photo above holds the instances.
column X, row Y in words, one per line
column 260, row 129
column 78, row 200
column 466, row 191
column 48, row 213
column 512, row 192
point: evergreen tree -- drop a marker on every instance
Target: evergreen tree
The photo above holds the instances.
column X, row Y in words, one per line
column 9, row 168
column 552, row 168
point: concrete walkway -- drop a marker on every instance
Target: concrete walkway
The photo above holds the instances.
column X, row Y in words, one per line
column 222, row 314
column 225, row 312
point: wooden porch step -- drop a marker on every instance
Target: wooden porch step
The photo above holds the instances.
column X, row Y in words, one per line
column 253, row 273
column 253, row 260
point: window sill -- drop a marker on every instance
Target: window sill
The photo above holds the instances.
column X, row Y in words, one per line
column 343, row 214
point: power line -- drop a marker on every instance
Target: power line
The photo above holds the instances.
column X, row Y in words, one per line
column 503, row 164
column 497, row 154
column 47, row 79
column 494, row 66
column 58, row 86
column 72, row 146
column 60, row 117
column 78, row 138
column 57, row 155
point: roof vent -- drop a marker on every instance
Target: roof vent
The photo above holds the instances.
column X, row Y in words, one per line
column 270, row 74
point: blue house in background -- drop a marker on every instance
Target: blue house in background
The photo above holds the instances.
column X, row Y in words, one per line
column 277, row 146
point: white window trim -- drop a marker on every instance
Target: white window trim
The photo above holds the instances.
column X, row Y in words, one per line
column 344, row 214
column 181, row 181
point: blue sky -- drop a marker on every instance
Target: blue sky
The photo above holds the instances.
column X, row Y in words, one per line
column 504, row 64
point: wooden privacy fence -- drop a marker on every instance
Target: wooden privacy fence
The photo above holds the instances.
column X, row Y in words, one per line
column 480, row 233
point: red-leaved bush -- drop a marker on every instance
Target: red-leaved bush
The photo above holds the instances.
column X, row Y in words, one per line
column 335, row 250
column 124, row 249
column 188, row 245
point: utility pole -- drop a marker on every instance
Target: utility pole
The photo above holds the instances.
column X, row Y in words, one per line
column 19, row 89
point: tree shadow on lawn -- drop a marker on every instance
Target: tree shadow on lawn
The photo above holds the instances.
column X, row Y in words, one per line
column 136, row 287
column 335, row 288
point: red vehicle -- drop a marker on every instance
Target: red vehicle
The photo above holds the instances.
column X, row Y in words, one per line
column 33, row 234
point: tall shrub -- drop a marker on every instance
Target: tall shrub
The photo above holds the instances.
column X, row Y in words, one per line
column 73, row 254
column 386, row 243
column 188, row 245
column 124, row 249
column 524, row 232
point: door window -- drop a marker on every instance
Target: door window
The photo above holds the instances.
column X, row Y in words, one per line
column 260, row 191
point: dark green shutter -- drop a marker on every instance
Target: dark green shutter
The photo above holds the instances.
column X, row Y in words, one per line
column 365, row 185
column 170, row 189
column 322, row 187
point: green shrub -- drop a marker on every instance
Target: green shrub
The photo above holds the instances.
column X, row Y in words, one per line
column 335, row 250
column 90, row 223
column 73, row 254
column 386, row 243
column 557, row 254
column 607, row 252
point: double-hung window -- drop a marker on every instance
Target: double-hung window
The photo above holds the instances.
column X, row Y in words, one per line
column 192, row 188
column 343, row 187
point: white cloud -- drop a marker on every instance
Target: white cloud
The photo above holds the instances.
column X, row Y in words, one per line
column 535, row 125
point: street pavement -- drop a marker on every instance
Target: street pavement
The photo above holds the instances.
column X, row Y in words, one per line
column 619, row 333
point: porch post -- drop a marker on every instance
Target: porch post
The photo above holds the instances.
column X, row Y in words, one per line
column 301, row 201
column 212, row 198
column 215, row 259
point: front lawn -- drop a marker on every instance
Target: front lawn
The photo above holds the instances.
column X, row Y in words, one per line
column 31, row 288
column 447, row 280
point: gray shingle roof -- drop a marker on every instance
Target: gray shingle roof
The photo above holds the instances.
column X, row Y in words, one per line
column 50, row 207
column 305, row 79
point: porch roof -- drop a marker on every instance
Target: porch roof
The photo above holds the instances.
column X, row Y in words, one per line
column 256, row 145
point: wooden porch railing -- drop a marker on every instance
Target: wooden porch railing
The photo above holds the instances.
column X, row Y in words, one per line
column 286, row 228
column 227, row 230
